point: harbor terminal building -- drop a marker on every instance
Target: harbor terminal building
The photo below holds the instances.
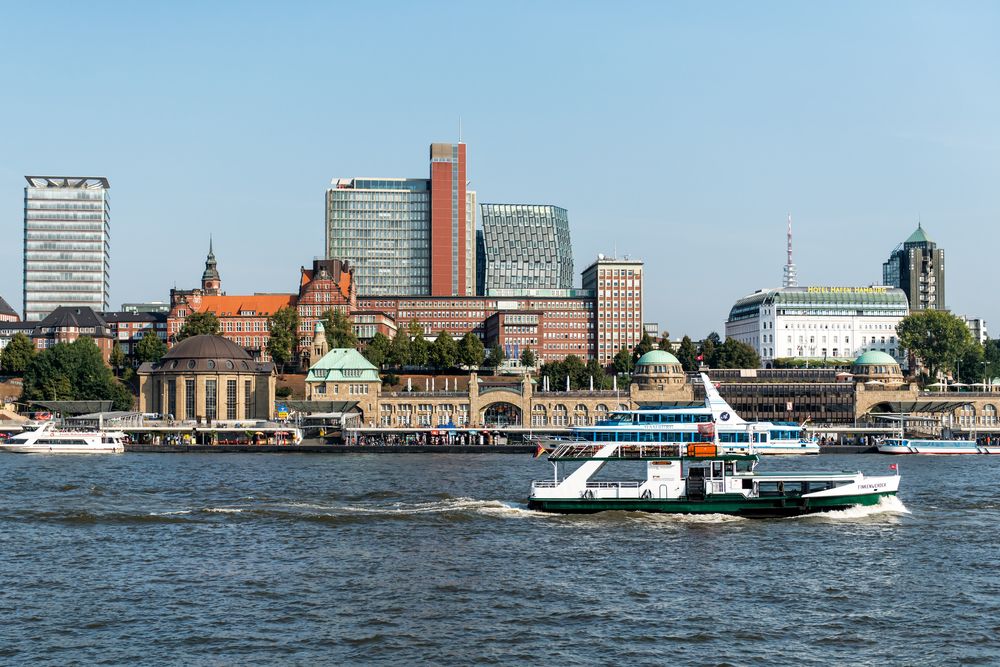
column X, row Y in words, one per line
column 345, row 381
column 819, row 323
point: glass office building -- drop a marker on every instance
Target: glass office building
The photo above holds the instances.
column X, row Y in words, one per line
column 382, row 226
column 916, row 266
column 527, row 246
column 67, row 241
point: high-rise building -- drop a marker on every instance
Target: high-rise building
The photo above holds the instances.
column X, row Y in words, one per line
column 527, row 247
column 448, row 206
column 916, row 266
column 480, row 263
column 617, row 284
column 471, row 256
column 406, row 236
column 67, row 232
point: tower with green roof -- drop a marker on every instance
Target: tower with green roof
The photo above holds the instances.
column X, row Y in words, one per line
column 916, row 266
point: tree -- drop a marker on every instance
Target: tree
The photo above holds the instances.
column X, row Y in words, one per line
column 149, row 348
column 528, row 358
column 644, row 345
column 687, row 354
column 970, row 368
column 444, row 351
column 596, row 371
column 495, row 358
column 664, row 343
column 14, row 358
column 377, row 350
column 935, row 337
column 74, row 372
column 420, row 350
column 708, row 349
column 992, row 357
column 399, row 351
column 471, row 350
column 339, row 330
column 284, row 327
column 623, row 361
column 734, row 354
column 117, row 358
column 198, row 324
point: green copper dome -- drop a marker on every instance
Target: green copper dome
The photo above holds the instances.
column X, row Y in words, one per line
column 875, row 358
column 656, row 357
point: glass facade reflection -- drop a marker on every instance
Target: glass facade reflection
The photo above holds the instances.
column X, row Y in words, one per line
column 67, row 240
column 526, row 246
column 382, row 226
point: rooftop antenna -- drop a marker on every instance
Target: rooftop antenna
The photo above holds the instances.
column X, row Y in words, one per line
column 790, row 279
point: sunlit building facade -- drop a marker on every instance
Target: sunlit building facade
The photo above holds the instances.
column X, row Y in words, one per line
column 67, row 241
column 527, row 246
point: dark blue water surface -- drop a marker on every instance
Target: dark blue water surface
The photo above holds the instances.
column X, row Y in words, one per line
column 235, row 559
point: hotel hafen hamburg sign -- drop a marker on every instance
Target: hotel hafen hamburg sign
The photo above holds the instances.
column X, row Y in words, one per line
column 846, row 290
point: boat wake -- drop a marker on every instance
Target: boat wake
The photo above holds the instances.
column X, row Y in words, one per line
column 887, row 505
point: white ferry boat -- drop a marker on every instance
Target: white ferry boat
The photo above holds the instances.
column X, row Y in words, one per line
column 697, row 479
column 942, row 447
column 716, row 421
column 49, row 439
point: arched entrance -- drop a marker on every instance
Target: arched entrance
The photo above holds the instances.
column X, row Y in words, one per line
column 501, row 415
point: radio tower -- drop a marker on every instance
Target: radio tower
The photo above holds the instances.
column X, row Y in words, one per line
column 790, row 280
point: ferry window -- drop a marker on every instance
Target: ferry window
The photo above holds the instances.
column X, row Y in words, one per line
column 768, row 489
column 793, row 488
column 717, row 469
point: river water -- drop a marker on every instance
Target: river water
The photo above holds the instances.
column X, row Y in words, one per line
column 259, row 559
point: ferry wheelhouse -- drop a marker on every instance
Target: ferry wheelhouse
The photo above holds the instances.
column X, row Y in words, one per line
column 734, row 435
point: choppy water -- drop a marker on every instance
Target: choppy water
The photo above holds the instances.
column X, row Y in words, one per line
column 359, row 559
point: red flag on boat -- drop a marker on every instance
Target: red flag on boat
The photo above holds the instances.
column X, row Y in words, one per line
column 892, row 466
column 539, row 451
column 700, row 357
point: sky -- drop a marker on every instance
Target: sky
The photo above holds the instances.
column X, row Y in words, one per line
column 681, row 133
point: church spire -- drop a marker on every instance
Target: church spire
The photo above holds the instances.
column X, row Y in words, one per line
column 211, row 283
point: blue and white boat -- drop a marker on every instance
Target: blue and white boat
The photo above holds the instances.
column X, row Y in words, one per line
column 715, row 422
column 941, row 447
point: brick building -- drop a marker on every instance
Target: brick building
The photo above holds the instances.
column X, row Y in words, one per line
column 244, row 319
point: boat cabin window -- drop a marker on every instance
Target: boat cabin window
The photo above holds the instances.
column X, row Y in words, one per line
column 813, row 487
column 717, row 469
column 731, row 468
column 697, row 472
column 743, row 466
column 734, row 437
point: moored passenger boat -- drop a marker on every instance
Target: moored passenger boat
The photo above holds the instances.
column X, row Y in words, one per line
column 734, row 434
column 49, row 439
column 939, row 447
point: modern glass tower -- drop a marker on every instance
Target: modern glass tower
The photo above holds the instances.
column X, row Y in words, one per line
column 67, row 240
column 527, row 247
column 407, row 236
column 382, row 226
column 916, row 266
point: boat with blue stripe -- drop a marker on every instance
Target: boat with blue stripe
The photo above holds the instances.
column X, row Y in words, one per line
column 682, row 425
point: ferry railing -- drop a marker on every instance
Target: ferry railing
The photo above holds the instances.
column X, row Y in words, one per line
column 625, row 451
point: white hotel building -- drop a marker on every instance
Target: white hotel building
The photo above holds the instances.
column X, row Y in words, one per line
column 821, row 323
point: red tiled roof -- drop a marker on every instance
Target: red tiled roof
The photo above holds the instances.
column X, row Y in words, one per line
column 261, row 304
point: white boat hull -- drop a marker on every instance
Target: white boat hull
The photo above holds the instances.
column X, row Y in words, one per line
column 62, row 449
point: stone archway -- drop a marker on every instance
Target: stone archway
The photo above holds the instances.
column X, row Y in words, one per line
column 501, row 414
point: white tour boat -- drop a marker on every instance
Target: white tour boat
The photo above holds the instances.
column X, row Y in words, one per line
column 941, row 447
column 49, row 439
column 734, row 434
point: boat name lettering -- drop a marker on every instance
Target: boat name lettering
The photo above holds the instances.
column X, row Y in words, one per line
column 873, row 485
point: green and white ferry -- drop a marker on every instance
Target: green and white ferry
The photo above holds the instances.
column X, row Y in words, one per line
column 697, row 478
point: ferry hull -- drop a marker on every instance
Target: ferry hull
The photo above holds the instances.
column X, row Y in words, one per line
column 731, row 505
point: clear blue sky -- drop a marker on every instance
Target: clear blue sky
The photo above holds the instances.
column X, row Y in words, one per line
column 681, row 133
